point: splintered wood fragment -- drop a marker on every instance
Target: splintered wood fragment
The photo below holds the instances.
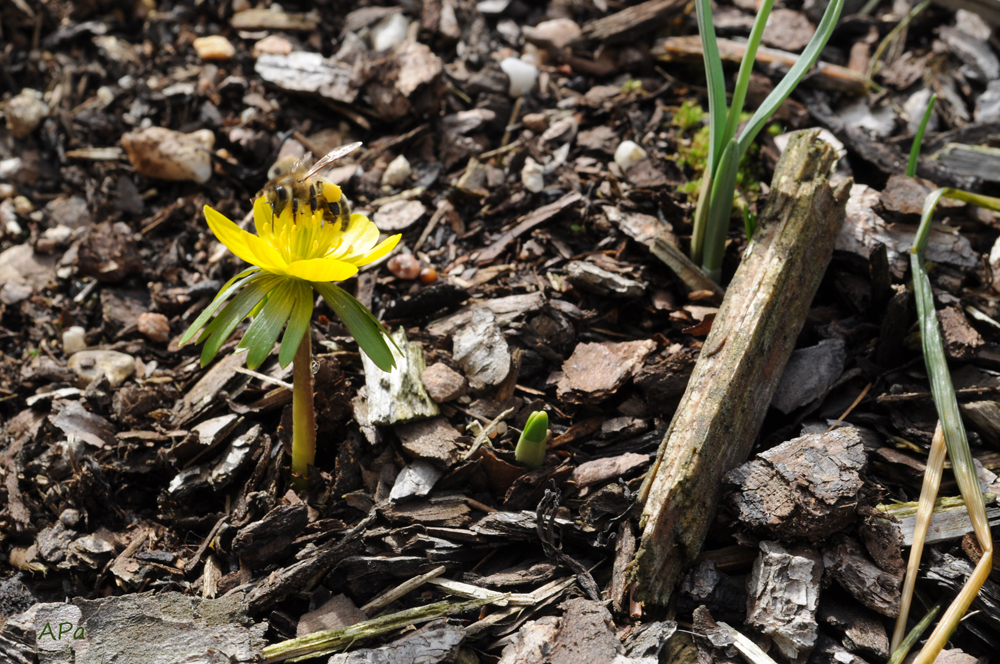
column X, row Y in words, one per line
column 686, row 271
column 741, row 363
column 527, row 223
column 327, row 642
column 824, row 75
column 399, row 395
column 630, row 22
column 949, row 520
column 387, row 598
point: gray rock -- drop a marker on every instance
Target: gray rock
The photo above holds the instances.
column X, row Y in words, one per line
column 443, row 383
column 89, row 365
column 810, row 372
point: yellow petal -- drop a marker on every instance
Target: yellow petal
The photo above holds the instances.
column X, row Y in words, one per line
column 268, row 258
column 378, row 252
column 262, row 214
column 322, row 269
column 360, row 237
column 231, row 235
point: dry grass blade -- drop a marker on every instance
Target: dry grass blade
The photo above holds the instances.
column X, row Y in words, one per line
column 928, row 492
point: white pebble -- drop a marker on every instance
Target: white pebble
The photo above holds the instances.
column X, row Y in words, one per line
column 89, row 365
column 396, row 172
column 73, row 339
column 389, row 32
column 25, row 112
column 533, row 176
column 628, row 153
column 522, row 75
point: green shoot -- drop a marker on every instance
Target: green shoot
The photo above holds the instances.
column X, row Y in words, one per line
column 715, row 203
column 918, row 139
column 531, row 446
column 749, row 222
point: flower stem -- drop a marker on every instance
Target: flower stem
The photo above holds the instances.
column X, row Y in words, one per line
column 303, row 415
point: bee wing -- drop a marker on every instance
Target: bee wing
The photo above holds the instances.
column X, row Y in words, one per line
column 332, row 156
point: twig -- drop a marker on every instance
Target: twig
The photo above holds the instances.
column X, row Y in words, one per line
column 545, row 525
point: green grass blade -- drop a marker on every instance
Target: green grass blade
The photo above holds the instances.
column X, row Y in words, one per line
column 238, row 308
column 795, row 74
column 298, row 323
column 264, row 330
column 749, row 222
column 716, row 82
column 746, row 68
column 227, row 290
column 918, row 139
column 360, row 322
column 720, row 211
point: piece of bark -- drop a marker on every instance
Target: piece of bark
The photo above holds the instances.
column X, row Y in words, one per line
column 431, row 644
column 583, row 634
column 824, row 75
column 783, row 594
column 951, row 574
column 433, row 439
column 862, row 629
column 270, row 539
column 336, row 612
column 595, row 371
column 506, row 309
column 599, row 471
column 948, row 522
column 398, row 396
column 624, row 550
column 482, row 352
column 810, row 372
column 741, row 362
column 623, row 26
column 806, row 487
column 855, row 573
column 704, row 585
column 527, row 223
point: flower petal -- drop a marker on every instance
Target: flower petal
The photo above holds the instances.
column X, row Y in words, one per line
column 322, row 269
column 378, row 252
column 262, row 215
column 268, row 257
column 231, row 235
column 360, row 237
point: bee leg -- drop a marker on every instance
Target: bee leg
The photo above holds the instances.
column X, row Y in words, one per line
column 313, row 202
column 295, row 208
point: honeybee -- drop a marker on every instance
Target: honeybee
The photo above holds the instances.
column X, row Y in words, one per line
column 294, row 185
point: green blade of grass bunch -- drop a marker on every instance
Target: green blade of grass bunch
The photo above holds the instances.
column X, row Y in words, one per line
column 363, row 326
column 716, row 82
column 530, row 448
column 746, row 69
column 720, row 208
column 785, row 87
column 918, row 139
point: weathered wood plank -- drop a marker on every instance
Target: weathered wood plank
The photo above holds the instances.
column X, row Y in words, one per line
column 729, row 392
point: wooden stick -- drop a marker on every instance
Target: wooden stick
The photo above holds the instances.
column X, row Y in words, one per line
column 741, row 363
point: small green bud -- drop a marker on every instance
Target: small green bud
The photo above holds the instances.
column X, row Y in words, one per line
column 531, row 446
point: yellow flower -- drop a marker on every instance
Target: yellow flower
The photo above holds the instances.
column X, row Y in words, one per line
column 292, row 255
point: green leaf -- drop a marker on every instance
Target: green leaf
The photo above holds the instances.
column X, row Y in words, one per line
column 716, row 81
column 918, row 139
column 239, row 308
column 264, row 330
column 746, row 68
column 231, row 286
column 298, row 323
column 805, row 62
column 360, row 322
column 720, row 210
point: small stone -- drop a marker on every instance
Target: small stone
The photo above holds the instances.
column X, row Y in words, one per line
column 89, row 365
column 788, row 29
column 25, row 112
column 214, row 47
column 398, row 215
column 7, row 191
column 74, row 339
column 433, row 439
column 13, row 292
column 272, row 45
column 522, row 75
column 396, row 172
column 627, row 153
column 389, row 32
column 533, row 176
column 536, row 122
column 156, row 327
column 157, row 152
column 443, row 383
column 70, row 517
column 558, row 31
column 404, row 266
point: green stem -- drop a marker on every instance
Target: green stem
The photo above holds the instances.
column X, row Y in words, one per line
column 303, row 415
column 918, row 139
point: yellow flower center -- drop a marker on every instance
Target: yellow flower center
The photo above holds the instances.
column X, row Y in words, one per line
column 304, row 236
